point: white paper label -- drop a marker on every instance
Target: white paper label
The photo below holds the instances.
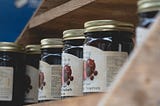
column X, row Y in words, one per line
column 6, row 83
column 114, row 61
column 72, row 75
column 31, row 94
column 56, row 81
column 100, row 68
column 50, row 81
column 141, row 33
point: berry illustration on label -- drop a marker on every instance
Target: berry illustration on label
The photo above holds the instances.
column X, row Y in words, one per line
column 67, row 75
column 90, row 69
column 41, row 80
column 28, row 85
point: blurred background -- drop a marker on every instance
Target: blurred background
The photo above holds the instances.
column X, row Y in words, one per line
column 14, row 15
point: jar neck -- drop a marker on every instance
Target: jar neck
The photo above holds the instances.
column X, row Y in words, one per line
column 33, row 60
column 109, row 34
column 147, row 18
column 51, row 55
column 74, row 47
column 74, row 42
column 51, row 50
column 110, row 40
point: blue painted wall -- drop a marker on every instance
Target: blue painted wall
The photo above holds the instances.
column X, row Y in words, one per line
column 13, row 19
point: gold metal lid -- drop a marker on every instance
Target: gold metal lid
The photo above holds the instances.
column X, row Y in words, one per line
column 33, row 49
column 51, row 43
column 107, row 25
column 10, row 47
column 73, row 34
column 148, row 5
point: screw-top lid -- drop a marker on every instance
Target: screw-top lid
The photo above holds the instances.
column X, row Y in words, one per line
column 73, row 34
column 51, row 43
column 33, row 49
column 11, row 47
column 107, row 25
column 148, row 5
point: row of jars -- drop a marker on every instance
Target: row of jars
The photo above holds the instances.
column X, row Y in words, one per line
column 84, row 61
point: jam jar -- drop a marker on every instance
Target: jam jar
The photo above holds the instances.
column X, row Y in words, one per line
column 147, row 11
column 12, row 72
column 51, row 69
column 72, row 63
column 33, row 54
column 107, row 45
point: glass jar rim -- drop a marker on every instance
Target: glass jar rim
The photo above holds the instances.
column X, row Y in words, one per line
column 51, row 43
column 148, row 5
column 108, row 25
column 11, row 47
column 73, row 34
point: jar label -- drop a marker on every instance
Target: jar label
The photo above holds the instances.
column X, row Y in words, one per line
column 141, row 34
column 100, row 68
column 6, row 83
column 49, row 81
column 32, row 78
column 72, row 75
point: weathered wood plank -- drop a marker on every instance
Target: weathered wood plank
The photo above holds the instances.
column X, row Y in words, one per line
column 49, row 4
column 58, row 11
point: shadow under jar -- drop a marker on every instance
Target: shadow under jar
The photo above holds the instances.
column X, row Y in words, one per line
column 147, row 11
column 72, row 63
column 12, row 72
column 50, row 69
column 106, row 48
column 33, row 55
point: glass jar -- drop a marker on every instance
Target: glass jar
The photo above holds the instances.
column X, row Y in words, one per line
column 33, row 55
column 51, row 69
column 72, row 63
column 147, row 11
column 12, row 72
column 107, row 45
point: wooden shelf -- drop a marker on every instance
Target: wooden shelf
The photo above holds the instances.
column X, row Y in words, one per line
column 90, row 100
column 55, row 16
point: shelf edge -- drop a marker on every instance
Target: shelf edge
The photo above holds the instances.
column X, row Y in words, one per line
column 58, row 11
column 27, row 25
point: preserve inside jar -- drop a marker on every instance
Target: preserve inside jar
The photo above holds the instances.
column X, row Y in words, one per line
column 12, row 72
column 73, row 42
column 50, row 69
column 147, row 11
column 110, row 40
column 108, row 44
column 72, row 63
column 51, row 55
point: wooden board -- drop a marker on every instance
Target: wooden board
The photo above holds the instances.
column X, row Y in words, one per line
column 138, row 83
column 49, row 4
column 90, row 100
column 73, row 13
